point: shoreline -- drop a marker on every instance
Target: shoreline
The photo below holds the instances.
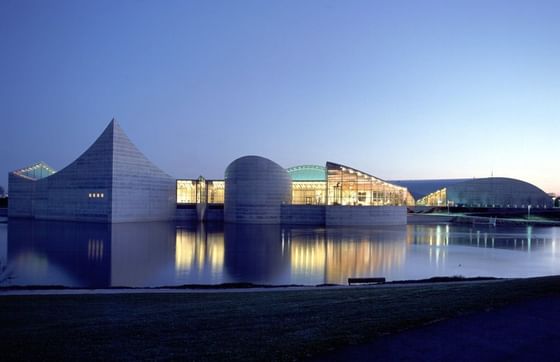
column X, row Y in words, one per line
column 235, row 288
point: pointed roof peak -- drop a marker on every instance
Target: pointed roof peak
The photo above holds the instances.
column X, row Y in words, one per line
column 113, row 126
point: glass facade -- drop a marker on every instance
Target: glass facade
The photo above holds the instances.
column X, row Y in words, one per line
column 216, row 192
column 309, row 192
column 36, row 172
column 346, row 186
column 200, row 191
column 311, row 185
column 491, row 192
column 437, row 198
column 308, row 173
column 186, row 191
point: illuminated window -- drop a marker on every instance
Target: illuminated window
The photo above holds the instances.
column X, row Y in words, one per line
column 361, row 196
column 216, row 192
column 351, row 187
column 186, row 191
column 309, row 192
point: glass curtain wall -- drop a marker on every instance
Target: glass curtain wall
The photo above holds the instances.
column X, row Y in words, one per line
column 216, row 192
column 200, row 191
column 437, row 198
column 347, row 186
column 309, row 192
column 201, row 194
column 186, row 191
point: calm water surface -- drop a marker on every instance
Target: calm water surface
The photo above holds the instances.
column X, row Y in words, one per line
column 159, row 254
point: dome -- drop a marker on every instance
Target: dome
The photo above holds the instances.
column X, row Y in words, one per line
column 308, row 173
column 255, row 189
column 498, row 192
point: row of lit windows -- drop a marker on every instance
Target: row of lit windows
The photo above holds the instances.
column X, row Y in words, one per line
column 439, row 198
column 305, row 192
column 352, row 187
column 308, row 192
column 96, row 195
column 200, row 191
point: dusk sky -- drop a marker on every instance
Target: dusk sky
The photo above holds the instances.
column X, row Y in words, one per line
column 399, row 89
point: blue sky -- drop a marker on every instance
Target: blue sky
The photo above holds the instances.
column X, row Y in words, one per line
column 399, row 89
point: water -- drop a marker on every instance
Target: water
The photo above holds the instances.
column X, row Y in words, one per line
column 165, row 254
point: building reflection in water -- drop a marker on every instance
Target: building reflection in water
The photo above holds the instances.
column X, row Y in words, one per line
column 59, row 253
column 253, row 253
column 142, row 254
column 199, row 254
column 483, row 236
column 482, row 250
column 164, row 254
column 333, row 255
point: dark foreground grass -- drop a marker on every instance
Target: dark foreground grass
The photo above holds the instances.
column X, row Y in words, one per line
column 278, row 325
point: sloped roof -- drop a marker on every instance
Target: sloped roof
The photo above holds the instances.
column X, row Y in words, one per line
column 112, row 152
column 332, row 165
column 421, row 188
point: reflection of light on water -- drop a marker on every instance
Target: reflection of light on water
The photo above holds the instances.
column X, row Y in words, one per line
column 337, row 260
column 307, row 257
column 215, row 249
column 283, row 236
column 95, row 249
column 185, row 250
column 33, row 262
column 529, row 236
column 362, row 258
column 198, row 251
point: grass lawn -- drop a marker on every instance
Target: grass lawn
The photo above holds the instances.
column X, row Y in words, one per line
column 279, row 325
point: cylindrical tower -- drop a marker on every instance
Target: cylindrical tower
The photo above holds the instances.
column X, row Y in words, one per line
column 255, row 189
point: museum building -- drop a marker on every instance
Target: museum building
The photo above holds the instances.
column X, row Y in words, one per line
column 112, row 181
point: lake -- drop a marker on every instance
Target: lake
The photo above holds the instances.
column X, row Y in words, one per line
column 168, row 254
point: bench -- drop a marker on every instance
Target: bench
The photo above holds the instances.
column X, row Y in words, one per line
column 365, row 281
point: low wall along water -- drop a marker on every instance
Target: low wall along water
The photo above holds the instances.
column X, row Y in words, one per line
column 320, row 215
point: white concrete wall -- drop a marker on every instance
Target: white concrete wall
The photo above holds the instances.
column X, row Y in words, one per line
column 255, row 189
column 64, row 195
column 21, row 191
column 303, row 214
column 186, row 214
column 365, row 215
column 133, row 188
column 140, row 190
column 214, row 214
